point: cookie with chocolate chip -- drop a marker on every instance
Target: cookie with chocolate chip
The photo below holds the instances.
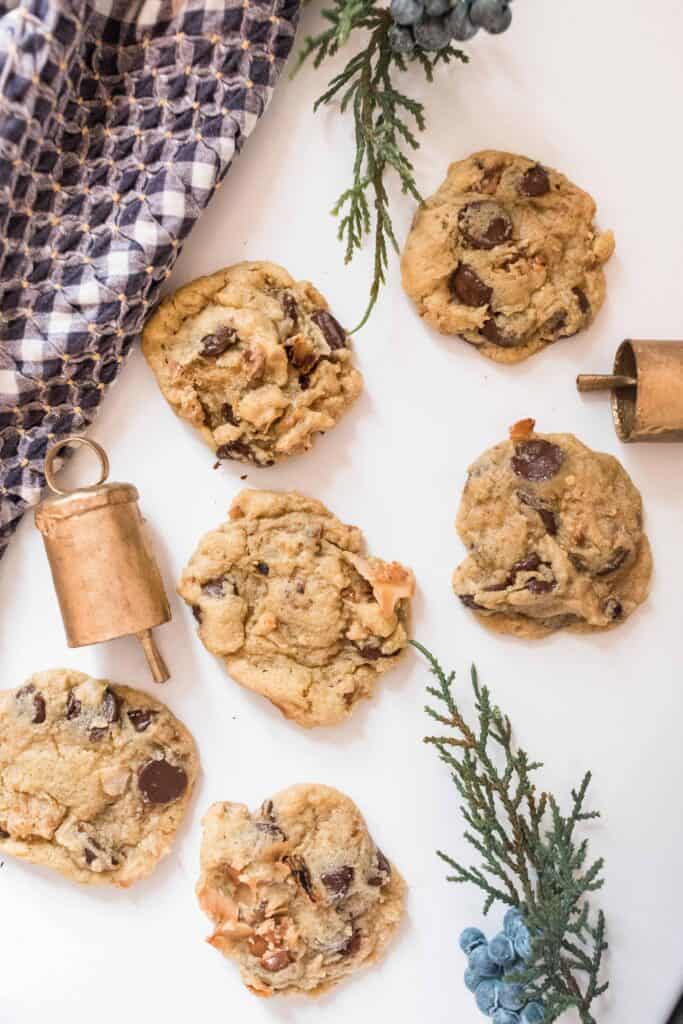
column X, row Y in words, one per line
column 94, row 778
column 555, row 537
column 254, row 360
column 506, row 255
column 299, row 894
column 284, row 593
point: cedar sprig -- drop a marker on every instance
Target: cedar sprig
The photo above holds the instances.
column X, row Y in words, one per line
column 386, row 123
column 529, row 854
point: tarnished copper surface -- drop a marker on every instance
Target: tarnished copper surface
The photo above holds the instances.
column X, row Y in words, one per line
column 105, row 574
column 647, row 390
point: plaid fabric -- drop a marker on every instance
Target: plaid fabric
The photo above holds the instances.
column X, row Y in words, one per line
column 118, row 122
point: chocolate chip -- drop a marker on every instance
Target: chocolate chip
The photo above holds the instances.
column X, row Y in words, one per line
column 89, row 855
column 540, row 586
column 490, row 179
column 484, row 224
column 611, row 565
column 500, row 586
column 299, row 869
column 291, row 310
column 338, row 882
column 466, row 285
column 371, row 652
column 228, row 415
column 335, row 336
column 582, row 299
column 38, row 709
column 98, row 732
column 352, row 945
column 215, row 587
column 535, row 182
column 197, row 612
column 549, row 520
column 262, row 568
column 548, row 517
column 38, row 702
column 267, row 810
column 271, row 829
column 613, row 608
column 161, row 782
column 384, row 869
column 111, row 706
column 277, row 960
column 556, row 322
column 528, row 564
column 236, row 450
column 304, row 381
column 141, row 718
column 469, row 602
column 73, row 706
column 4, row 834
column 536, row 459
column 214, row 345
column 301, row 356
column 490, row 330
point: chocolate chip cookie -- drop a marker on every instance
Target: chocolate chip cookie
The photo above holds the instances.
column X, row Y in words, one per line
column 555, row 535
column 299, row 894
column 94, row 778
column 254, row 360
column 506, row 255
column 284, row 593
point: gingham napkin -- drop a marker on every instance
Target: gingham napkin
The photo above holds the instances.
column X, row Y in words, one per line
column 118, row 121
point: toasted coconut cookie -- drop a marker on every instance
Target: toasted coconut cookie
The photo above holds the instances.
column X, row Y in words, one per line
column 555, row 534
column 506, row 255
column 299, row 894
column 94, row 778
column 254, row 360
column 285, row 595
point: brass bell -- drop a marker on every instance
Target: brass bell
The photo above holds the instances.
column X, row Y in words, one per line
column 106, row 577
column 647, row 390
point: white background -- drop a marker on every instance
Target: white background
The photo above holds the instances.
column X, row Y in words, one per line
column 590, row 88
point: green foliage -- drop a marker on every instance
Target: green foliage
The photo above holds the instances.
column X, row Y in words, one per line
column 529, row 854
column 386, row 121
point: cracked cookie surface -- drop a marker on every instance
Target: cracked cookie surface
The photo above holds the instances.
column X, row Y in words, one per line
column 254, row 360
column 506, row 255
column 284, row 593
column 94, row 778
column 555, row 534
column 299, row 894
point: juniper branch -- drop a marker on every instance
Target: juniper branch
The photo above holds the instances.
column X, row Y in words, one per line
column 386, row 124
column 529, row 856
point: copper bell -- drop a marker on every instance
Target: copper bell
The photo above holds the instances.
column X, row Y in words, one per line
column 107, row 580
column 647, row 390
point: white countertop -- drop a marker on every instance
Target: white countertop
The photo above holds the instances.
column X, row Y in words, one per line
column 594, row 90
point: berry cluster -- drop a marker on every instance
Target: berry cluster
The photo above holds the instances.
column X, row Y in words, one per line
column 489, row 962
column 432, row 24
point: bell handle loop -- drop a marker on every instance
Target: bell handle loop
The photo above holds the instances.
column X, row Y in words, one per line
column 76, row 439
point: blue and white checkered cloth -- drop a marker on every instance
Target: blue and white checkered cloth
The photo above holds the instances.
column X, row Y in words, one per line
column 118, row 121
